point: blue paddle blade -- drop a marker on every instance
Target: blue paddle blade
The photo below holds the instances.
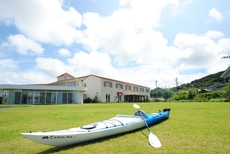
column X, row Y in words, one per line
column 154, row 141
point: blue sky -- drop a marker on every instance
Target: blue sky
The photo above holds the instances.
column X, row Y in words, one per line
column 129, row 40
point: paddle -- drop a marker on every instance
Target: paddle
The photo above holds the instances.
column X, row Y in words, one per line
column 153, row 140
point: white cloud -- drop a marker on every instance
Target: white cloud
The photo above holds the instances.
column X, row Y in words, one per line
column 64, row 52
column 50, row 66
column 212, row 34
column 213, row 13
column 42, row 20
column 127, row 33
column 92, row 63
column 12, row 74
column 28, row 77
column 23, row 45
column 202, row 51
column 8, row 65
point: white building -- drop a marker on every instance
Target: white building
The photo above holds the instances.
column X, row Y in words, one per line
column 105, row 89
column 68, row 89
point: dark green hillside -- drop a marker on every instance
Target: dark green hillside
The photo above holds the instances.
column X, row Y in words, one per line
column 204, row 82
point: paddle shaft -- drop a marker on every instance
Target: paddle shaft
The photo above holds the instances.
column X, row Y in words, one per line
column 153, row 140
column 144, row 121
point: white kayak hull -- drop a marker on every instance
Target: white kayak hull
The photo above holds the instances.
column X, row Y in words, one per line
column 116, row 125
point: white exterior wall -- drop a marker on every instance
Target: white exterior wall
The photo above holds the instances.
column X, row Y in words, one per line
column 79, row 98
column 111, row 91
column 93, row 85
column 61, row 78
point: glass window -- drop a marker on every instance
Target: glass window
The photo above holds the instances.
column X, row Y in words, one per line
column 24, row 97
column 107, row 98
column 70, row 98
column 119, row 86
column 107, row 84
column 36, row 98
column 30, row 97
column 64, row 98
column 128, row 88
column 59, row 98
column 135, row 89
column 53, row 98
column 48, row 98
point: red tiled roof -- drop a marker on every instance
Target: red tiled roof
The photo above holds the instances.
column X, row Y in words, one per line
column 66, row 74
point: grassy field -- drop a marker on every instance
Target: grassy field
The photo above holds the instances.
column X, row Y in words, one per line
column 191, row 128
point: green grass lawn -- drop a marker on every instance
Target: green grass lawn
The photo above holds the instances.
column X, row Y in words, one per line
column 191, row 128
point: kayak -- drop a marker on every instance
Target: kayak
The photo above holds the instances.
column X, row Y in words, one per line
column 116, row 125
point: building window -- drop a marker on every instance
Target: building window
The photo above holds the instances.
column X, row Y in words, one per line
column 107, row 98
column 127, row 87
column 70, row 84
column 147, row 90
column 108, row 84
column 142, row 90
column 119, row 98
column 119, row 86
column 135, row 89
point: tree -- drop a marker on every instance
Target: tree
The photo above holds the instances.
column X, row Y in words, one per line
column 226, row 91
column 191, row 94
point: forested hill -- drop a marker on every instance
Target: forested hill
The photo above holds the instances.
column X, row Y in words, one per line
column 204, row 82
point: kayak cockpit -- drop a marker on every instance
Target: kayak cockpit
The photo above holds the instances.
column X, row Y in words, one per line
column 90, row 126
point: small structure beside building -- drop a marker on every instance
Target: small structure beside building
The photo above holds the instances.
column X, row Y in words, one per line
column 40, row 94
column 226, row 75
column 216, row 86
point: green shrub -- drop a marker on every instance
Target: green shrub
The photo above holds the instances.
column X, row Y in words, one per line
column 88, row 100
column 205, row 97
column 217, row 100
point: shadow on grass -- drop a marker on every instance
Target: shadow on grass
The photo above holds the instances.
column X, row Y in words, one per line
column 58, row 149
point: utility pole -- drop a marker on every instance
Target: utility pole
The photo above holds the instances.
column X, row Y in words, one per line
column 176, row 84
column 156, row 90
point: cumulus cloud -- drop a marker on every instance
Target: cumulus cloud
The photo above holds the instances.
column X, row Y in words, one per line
column 93, row 63
column 123, row 35
column 8, row 64
column 215, row 14
column 27, row 77
column 50, row 66
column 202, row 51
column 64, row 52
column 42, row 20
column 212, row 34
column 23, row 45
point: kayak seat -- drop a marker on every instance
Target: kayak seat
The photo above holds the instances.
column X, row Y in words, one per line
column 90, row 126
column 138, row 113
